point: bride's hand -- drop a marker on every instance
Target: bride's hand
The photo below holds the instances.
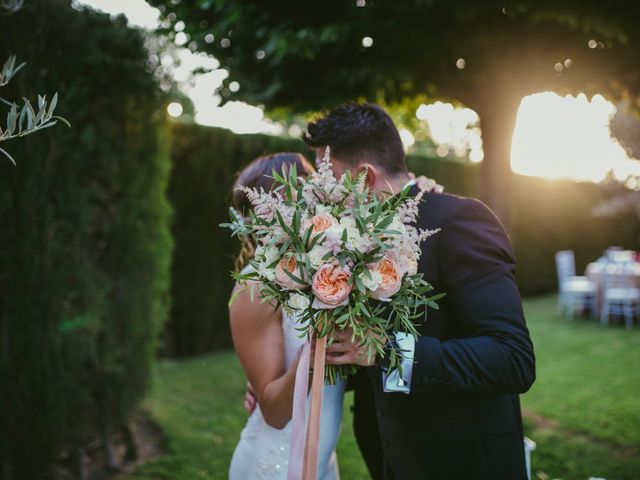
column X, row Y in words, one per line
column 250, row 402
column 427, row 184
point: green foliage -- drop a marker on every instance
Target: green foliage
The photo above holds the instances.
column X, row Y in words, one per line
column 85, row 251
column 205, row 162
column 549, row 215
column 11, row 5
column 552, row 215
column 373, row 227
column 582, row 410
column 486, row 54
column 309, row 56
column 9, row 69
column 26, row 119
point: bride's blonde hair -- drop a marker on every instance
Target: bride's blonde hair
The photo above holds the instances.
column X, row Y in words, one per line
column 258, row 175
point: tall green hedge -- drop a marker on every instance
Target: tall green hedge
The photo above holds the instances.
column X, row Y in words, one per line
column 85, row 244
column 548, row 216
column 205, row 162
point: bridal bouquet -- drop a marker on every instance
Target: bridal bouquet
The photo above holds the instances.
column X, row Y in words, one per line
column 337, row 256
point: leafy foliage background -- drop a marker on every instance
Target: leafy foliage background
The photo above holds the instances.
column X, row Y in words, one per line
column 85, row 244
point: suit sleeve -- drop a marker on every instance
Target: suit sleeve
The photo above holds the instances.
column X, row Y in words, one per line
column 493, row 353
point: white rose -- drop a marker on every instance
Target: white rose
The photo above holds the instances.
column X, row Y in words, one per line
column 355, row 241
column 317, row 254
column 372, row 281
column 297, row 301
column 334, row 234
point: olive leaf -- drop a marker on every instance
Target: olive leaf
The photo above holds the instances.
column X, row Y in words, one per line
column 25, row 120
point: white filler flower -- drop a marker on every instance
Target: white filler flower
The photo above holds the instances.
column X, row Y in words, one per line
column 297, row 301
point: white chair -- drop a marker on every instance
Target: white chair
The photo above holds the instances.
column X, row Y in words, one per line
column 620, row 296
column 575, row 292
column 529, row 446
column 620, row 256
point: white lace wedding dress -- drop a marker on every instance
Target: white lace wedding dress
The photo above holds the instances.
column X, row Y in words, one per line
column 263, row 451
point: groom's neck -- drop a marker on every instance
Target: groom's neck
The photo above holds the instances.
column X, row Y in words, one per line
column 392, row 183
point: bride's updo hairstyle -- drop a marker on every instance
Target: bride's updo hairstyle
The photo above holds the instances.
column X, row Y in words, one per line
column 258, row 175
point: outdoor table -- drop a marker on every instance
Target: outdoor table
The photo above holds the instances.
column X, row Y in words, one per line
column 596, row 270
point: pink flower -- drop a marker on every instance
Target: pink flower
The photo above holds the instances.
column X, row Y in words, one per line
column 320, row 222
column 331, row 286
column 284, row 280
column 390, row 279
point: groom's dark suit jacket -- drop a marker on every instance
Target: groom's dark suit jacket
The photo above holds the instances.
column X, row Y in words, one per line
column 462, row 418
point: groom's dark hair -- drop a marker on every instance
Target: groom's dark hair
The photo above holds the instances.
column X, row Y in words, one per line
column 359, row 132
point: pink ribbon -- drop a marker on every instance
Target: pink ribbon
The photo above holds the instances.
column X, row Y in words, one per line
column 298, row 417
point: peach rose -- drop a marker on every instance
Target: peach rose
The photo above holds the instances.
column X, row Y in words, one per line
column 331, row 286
column 390, row 278
column 285, row 281
column 321, row 222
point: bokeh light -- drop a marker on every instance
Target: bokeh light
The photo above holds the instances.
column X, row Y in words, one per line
column 407, row 138
column 453, row 129
column 174, row 109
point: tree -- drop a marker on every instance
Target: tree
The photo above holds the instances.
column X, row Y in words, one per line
column 488, row 55
column 625, row 128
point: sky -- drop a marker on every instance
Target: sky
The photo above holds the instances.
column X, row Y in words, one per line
column 555, row 136
column 138, row 12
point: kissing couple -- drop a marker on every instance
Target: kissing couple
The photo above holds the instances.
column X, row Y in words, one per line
column 454, row 411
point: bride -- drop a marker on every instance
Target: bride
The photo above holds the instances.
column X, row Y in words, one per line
column 268, row 346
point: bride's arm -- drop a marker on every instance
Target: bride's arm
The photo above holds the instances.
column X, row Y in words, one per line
column 257, row 337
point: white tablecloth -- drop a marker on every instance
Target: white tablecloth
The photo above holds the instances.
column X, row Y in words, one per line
column 596, row 270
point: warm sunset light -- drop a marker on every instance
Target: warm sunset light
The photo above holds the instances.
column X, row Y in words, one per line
column 380, row 170
column 453, row 129
column 554, row 137
column 568, row 137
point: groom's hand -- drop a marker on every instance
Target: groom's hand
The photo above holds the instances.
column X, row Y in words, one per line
column 344, row 352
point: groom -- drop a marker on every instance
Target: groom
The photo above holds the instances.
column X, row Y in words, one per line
column 455, row 414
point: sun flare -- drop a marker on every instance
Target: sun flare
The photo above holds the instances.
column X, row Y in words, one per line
column 568, row 137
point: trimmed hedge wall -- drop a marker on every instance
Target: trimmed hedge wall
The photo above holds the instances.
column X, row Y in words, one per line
column 548, row 216
column 205, row 162
column 85, row 244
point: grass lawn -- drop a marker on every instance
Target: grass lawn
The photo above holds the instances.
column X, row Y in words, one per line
column 583, row 411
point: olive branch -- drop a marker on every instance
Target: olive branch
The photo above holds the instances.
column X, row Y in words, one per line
column 11, row 6
column 25, row 120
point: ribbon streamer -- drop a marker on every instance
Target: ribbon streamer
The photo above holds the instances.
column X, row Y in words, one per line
column 303, row 448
